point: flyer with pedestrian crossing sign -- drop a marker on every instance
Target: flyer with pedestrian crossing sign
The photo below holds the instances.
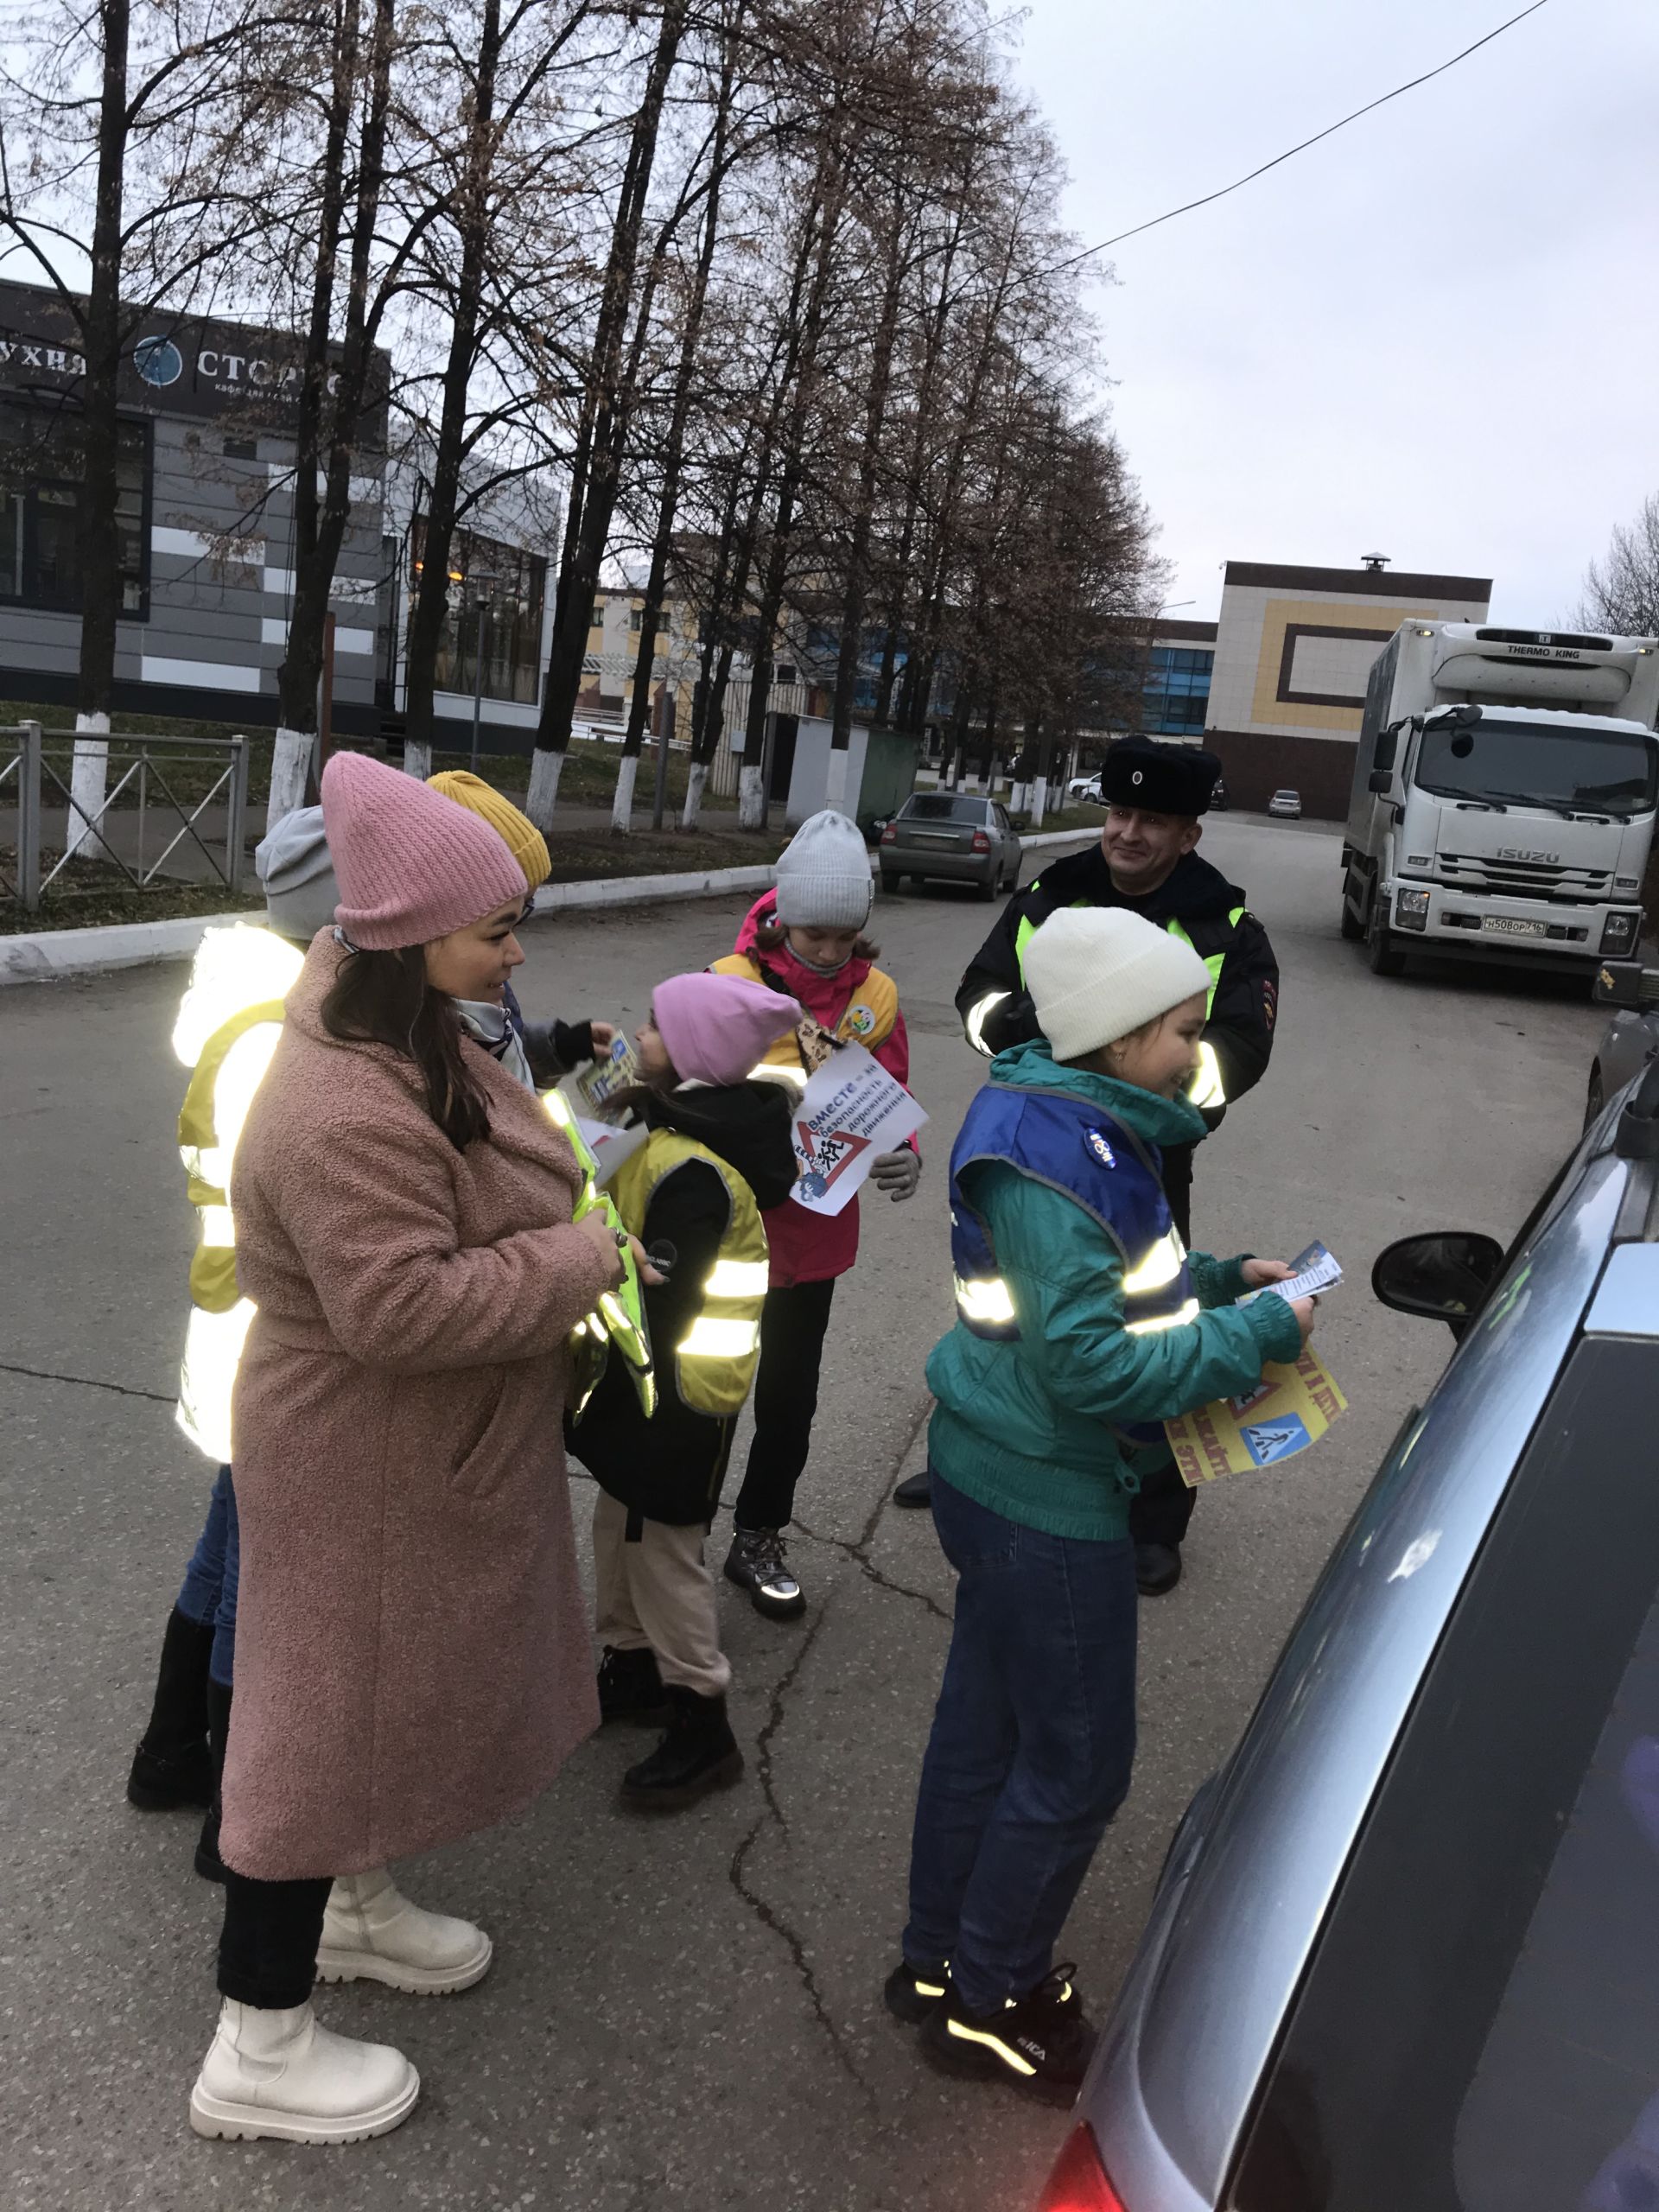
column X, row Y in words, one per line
column 1291, row 1409
column 850, row 1111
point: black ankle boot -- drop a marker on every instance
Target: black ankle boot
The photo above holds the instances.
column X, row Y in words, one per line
column 631, row 1689
column 699, row 1753
column 172, row 1765
column 209, row 1865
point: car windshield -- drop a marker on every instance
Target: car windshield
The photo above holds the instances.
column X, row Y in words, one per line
column 1479, row 2028
column 1538, row 764
column 938, row 806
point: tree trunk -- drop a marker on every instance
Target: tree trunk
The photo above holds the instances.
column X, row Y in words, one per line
column 432, row 595
column 100, row 543
column 858, row 551
column 296, row 698
column 579, row 576
column 673, row 464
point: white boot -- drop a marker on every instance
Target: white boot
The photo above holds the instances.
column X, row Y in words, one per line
column 371, row 1932
column 280, row 2075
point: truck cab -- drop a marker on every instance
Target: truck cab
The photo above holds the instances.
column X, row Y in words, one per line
column 1504, row 796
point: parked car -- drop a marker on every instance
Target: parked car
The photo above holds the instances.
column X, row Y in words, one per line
column 1218, row 796
column 1288, row 804
column 1085, row 789
column 1631, row 1038
column 1405, row 1949
column 954, row 837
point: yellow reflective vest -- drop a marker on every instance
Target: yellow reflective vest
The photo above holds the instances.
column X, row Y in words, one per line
column 618, row 1322
column 228, row 1024
column 715, row 1361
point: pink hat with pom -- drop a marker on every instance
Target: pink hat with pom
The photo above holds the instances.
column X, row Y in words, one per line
column 411, row 865
column 716, row 1028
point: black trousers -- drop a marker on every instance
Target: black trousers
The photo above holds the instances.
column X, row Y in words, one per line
column 792, row 1324
column 268, row 1952
column 1159, row 1513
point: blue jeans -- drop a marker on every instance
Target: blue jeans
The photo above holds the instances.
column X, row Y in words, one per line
column 1033, row 1742
column 210, row 1581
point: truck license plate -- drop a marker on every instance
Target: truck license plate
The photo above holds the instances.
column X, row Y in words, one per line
column 1502, row 926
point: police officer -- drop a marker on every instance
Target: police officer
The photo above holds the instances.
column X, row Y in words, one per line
column 1147, row 860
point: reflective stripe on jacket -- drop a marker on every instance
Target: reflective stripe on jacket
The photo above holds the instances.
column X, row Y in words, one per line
column 715, row 1361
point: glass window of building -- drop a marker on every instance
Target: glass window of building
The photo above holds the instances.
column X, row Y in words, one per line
column 42, row 498
column 1175, row 697
column 513, row 584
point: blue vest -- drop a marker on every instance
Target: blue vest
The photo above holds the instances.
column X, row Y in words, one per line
column 1111, row 1173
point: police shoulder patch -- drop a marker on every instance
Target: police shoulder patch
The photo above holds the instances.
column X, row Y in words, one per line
column 1094, row 1142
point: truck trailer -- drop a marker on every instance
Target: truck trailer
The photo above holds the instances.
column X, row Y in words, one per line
column 1503, row 797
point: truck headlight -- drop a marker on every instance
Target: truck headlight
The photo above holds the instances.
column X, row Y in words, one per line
column 1411, row 909
column 1618, row 932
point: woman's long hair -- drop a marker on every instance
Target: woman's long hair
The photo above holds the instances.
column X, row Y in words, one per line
column 384, row 998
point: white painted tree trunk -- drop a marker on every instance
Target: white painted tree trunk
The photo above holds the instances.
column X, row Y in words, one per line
column 627, row 769
column 692, row 814
column 542, row 801
column 1037, row 805
column 291, row 763
column 418, row 760
column 751, row 799
column 88, row 779
column 1017, row 799
column 834, row 795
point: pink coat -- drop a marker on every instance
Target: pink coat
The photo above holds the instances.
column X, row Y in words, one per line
column 412, row 1659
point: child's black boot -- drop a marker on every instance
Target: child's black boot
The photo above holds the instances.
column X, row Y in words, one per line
column 630, row 1687
column 698, row 1754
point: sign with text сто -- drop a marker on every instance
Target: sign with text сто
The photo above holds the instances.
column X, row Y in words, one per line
column 171, row 364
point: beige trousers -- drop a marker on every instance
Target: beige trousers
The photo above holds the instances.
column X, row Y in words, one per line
column 658, row 1593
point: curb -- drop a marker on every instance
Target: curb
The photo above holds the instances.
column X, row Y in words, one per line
column 54, row 954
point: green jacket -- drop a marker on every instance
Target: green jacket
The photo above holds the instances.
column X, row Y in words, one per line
column 1028, row 1427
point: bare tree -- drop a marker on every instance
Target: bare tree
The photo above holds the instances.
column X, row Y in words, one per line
column 1621, row 590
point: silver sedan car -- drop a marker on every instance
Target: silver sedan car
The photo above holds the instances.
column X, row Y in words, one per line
column 954, row 836
column 1631, row 1038
column 1404, row 1952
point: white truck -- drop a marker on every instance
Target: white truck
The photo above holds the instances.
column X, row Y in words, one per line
column 1503, row 797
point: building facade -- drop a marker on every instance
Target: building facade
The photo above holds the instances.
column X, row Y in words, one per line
column 1294, row 649
column 205, row 517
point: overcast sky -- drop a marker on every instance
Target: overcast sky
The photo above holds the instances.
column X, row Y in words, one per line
column 1435, row 336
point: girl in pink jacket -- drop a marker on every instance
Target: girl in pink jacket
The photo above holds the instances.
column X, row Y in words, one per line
column 805, row 939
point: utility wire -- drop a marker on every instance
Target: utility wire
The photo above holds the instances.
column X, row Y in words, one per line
column 1290, row 151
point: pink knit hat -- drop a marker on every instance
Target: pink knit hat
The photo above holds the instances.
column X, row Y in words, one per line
column 411, row 864
column 716, row 1028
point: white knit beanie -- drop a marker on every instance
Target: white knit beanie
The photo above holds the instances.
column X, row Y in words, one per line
column 823, row 875
column 1095, row 973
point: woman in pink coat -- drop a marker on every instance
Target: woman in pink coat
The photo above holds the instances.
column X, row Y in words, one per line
column 412, row 1656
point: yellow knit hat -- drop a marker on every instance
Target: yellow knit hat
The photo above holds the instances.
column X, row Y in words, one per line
column 516, row 830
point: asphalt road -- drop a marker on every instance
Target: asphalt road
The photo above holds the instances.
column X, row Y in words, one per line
column 686, row 2013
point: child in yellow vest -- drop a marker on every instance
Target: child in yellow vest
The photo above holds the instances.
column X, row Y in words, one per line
column 718, row 1150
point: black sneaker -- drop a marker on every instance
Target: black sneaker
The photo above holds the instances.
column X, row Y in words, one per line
column 913, row 1993
column 759, row 1562
column 915, row 1490
column 698, row 1754
column 1041, row 2044
column 1157, row 1569
column 630, row 1687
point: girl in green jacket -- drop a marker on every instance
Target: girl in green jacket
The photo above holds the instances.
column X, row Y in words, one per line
column 1083, row 1324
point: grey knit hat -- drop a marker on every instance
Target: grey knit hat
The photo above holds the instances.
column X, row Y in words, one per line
column 293, row 862
column 823, row 875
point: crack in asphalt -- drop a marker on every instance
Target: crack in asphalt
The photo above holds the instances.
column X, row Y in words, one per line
column 866, row 1567
column 764, row 1911
column 86, row 1382
column 767, row 1913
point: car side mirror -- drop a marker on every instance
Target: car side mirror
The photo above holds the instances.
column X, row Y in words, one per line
column 1442, row 1275
column 1626, row 983
column 1382, row 781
